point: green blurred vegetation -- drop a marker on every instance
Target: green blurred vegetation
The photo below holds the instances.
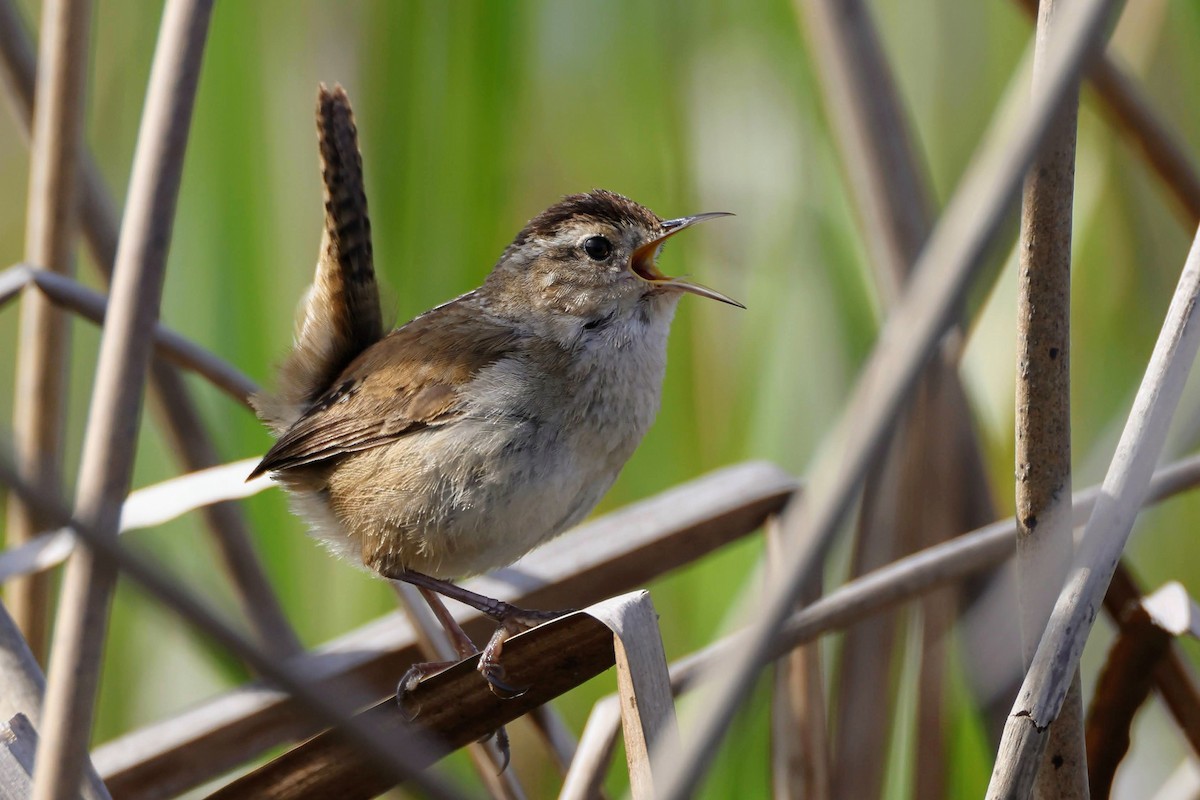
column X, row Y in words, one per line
column 473, row 117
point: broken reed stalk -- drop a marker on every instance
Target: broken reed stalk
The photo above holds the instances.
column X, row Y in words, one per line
column 455, row 706
column 1173, row 678
column 19, row 673
column 1043, row 408
column 111, row 434
column 172, row 401
column 40, row 388
column 952, row 256
column 1125, row 487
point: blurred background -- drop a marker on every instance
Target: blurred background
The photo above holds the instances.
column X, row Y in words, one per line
column 473, row 117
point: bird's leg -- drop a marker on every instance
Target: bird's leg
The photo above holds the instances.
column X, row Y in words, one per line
column 496, row 609
column 462, row 644
column 458, row 637
column 464, row 648
column 512, row 619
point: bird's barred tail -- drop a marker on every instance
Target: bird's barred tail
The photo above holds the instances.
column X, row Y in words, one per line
column 340, row 315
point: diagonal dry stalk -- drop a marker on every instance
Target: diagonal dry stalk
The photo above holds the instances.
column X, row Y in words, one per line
column 108, row 450
column 172, row 401
column 1125, row 487
column 1043, row 407
column 143, row 508
column 800, row 763
column 933, row 447
column 39, row 410
column 953, row 254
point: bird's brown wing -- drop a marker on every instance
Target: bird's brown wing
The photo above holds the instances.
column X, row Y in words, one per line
column 410, row 380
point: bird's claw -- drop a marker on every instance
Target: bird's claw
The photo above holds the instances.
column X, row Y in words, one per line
column 409, row 682
column 502, row 745
column 493, row 672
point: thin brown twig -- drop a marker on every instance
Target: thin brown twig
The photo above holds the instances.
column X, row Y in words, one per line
column 170, row 345
column 125, row 347
column 1173, row 678
column 170, row 398
column 39, row 399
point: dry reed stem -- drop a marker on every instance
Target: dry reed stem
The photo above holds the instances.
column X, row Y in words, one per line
column 393, row 753
column 799, row 736
column 18, row 748
column 644, row 686
column 171, row 400
column 560, row 740
column 933, row 445
column 891, row 193
column 897, row 583
column 1104, row 538
column 597, row 744
column 953, row 254
column 143, row 508
column 456, row 706
column 20, row 674
column 40, row 388
column 18, row 745
column 1043, row 407
column 108, row 449
column 24, row 685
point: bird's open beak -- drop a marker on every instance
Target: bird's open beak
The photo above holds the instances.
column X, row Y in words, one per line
column 644, row 257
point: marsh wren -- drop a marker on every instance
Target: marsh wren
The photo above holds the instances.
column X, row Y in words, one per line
column 463, row 439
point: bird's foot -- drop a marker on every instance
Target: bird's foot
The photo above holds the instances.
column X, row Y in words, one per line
column 408, row 682
column 513, row 621
column 417, row 673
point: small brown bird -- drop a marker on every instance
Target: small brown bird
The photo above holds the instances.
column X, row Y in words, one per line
column 463, row 439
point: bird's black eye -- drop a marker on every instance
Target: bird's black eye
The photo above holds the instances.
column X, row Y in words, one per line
column 597, row 247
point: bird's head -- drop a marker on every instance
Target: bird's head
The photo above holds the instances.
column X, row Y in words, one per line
column 592, row 252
